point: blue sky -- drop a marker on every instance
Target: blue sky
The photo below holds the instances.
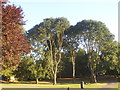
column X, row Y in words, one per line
column 74, row 10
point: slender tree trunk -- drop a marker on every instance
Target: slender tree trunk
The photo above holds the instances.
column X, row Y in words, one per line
column 73, row 63
column 36, row 80
column 73, row 72
column 55, row 79
column 93, row 76
column 52, row 63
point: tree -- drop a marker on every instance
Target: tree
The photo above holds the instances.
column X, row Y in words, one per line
column 66, row 70
column 118, row 55
column 92, row 36
column 109, row 58
column 30, row 68
column 22, row 72
column 40, row 66
column 14, row 42
column 81, row 63
column 50, row 33
column 71, row 46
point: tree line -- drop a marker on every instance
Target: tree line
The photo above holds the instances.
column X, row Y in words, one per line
column 54, row 48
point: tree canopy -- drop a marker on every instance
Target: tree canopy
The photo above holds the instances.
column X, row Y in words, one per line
column 50, row 33
column 92, row 36
column 14, row 42
column 54, row 48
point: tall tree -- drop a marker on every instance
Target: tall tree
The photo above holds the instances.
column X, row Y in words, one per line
column 14, row 42
column 92, row 36
column 50, row 33
column 109, row 57
column 71, row 46
column 81, row 63
column 118, row 55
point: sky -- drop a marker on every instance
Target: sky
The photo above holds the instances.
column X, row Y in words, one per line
column 75, row 11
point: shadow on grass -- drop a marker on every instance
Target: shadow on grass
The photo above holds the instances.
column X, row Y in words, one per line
column 87, row 80
column 26, row 82
column 64, row 81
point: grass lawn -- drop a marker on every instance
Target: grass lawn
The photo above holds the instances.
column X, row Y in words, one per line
column 62, row 83
column 118, row 86
column 55, row 86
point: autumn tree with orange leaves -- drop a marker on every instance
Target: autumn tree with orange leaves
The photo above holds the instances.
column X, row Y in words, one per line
column 14, row 41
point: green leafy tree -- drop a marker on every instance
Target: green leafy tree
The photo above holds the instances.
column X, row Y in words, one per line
column 66, row 71
column 81, row 63
column 30, row 68
column 38, row 69
column 118, row 54
column 109, row 58
column 92, row 36
column 50, row 33
column 22, row 72
column 71, row 46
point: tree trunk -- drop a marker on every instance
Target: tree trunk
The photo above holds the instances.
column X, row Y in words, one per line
column 36, row 80
column 55, row 79
column 93, row 76
column 73, row 70
column 73, row 63
column 73, row 66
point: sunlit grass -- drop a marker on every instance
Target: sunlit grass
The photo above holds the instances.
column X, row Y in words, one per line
column 118, row 86
column 56, row 86
column 61, row 83
column 97, row 85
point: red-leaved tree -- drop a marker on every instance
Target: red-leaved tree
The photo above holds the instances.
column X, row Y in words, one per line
column 14, row 41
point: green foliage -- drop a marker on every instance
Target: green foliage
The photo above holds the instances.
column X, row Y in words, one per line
column 22, row 72
column 30, row 68
column 82, row 63
column 7, row 73
column 66, row 71
column 109, row 57
column 92, row 36
column 49, row 35
column 55, row 44
column 37, row 69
